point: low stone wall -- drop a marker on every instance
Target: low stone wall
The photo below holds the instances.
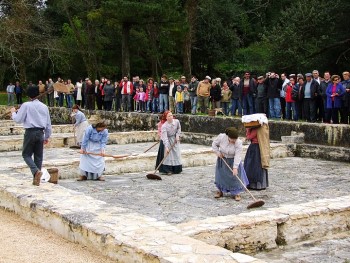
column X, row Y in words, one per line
column 267, row 229
column 323, row 134
column 330, row 153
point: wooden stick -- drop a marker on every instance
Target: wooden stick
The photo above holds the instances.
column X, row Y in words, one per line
column 151, row 146
column 37, row 97
column 107, row 155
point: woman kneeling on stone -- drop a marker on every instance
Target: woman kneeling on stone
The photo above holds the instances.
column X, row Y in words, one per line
column 229, row 148
column 94, row 141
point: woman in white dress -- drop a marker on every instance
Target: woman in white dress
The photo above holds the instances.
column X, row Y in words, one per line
column 80, row 124
column 170, row 135
column 94, row 141
column 78, row 90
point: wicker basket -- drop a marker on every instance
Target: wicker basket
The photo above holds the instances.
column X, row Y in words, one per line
column 53, row 175
column 252, row 124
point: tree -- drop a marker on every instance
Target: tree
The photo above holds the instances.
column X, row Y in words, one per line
column 24, row 41
column 306, row 32
column 143, row 14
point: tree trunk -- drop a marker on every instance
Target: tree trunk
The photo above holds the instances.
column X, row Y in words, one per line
column 190, row 10
column 125, row 49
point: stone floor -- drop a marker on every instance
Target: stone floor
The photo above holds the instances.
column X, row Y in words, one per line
column 189, row 196
column 292, row 181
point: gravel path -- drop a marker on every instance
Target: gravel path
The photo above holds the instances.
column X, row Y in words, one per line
column 25, row 242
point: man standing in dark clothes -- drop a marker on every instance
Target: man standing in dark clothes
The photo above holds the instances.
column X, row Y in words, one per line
column 309, row 92
column 247, row 86
column 261, row 97
column 274, row 86
column 36, row 120
column 163, row 94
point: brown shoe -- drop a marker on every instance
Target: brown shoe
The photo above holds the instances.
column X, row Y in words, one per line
column 100, row 179
column 37, row 177
column 237, row 197
column 219, row 194
column 82, row 178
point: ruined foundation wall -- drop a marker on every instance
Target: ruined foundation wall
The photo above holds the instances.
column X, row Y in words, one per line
column 315, row 133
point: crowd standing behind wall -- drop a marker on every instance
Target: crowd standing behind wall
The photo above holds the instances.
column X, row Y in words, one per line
column 290, row 97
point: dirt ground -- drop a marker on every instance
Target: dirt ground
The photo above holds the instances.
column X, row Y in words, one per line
column 24, row 242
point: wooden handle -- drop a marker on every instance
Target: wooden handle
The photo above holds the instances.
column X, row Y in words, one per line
column 151, row 147
column 107, row 155
column 229, row 167
column 166, row 155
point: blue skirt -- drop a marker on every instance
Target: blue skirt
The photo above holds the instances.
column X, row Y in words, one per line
column 225, row 181
column 257, row 176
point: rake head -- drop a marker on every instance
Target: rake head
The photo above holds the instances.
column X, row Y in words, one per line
column 153, row 177
column 257, row 203
column 74, row 147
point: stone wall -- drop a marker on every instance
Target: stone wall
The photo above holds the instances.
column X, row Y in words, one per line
column 315, row 133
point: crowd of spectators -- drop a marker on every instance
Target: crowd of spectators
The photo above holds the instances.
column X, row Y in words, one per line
column 294, row 97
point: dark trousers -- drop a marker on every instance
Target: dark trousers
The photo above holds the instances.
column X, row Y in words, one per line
column 90, row 102
column 320, row 113
column 33, row 143
column 117, row 103
column 19, row 98
column 283, row 107
column 334, row 113
column 262, row 105
column 99, row 102
column 344, row 115
column 309, row 110
column 108, row 105
column 126, row 102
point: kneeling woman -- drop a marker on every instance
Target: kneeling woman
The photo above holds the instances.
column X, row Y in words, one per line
column 94, row 141
column 229, row 148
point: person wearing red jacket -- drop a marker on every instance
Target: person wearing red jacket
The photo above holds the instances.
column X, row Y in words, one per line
column 127, row 90
column 290, row 102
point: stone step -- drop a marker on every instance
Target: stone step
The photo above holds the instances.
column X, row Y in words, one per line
column 68, row 163
column 7, row 129
column 67, row 160
column 58, row 140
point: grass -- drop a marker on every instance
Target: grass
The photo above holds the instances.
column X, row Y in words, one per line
column 3, row 98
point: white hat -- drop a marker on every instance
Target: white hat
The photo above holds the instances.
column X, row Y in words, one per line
column 207, row 77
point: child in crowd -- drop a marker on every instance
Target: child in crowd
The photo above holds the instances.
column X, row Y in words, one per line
column 179, row 100
column 225, row 98
column 136, row 100
column 187, row 100
column 142, row 100
column 155, row 98
column 149, row 98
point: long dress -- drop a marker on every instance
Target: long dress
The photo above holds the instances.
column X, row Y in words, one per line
column 160, row 154
column 257, row 175
column 80, row 126
column 171, row 131
column 225, row 181
column 79, row 87
column 92, row 166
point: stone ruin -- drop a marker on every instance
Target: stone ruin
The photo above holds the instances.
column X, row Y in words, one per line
column 132, row 219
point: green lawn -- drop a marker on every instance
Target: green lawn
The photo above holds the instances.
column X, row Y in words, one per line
column 3, row 98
